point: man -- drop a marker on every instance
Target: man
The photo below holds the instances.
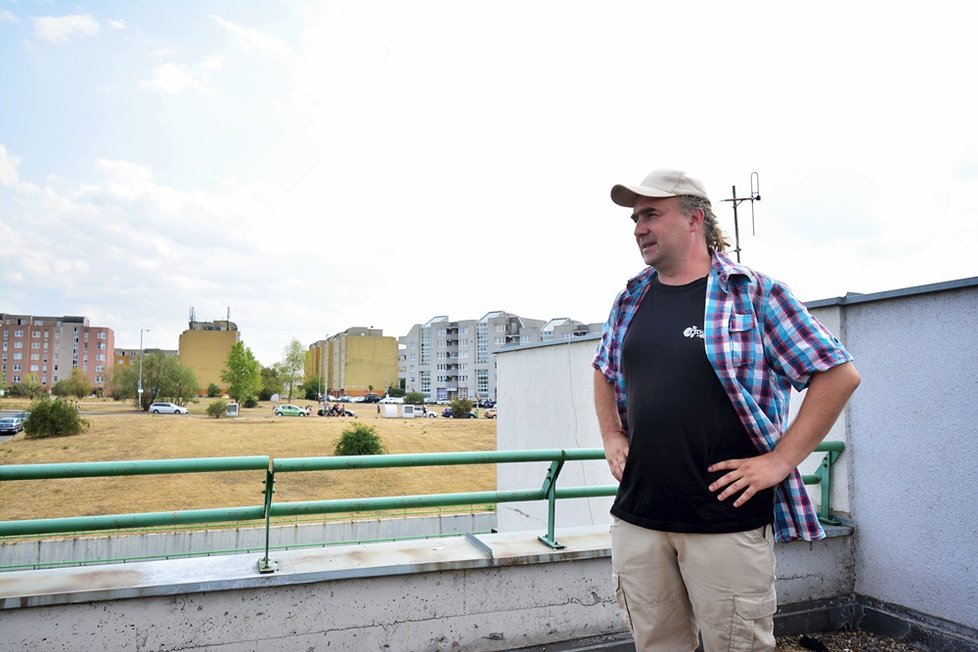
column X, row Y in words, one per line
column 691, row 387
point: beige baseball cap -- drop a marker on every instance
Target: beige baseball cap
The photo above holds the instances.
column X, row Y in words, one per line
column 659, row 183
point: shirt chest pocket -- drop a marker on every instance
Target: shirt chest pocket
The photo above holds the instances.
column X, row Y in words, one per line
column 742, row 339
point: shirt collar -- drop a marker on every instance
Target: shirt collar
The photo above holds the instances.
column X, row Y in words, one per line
column 722, row 266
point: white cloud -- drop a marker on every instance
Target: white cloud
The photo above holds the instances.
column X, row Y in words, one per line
column 8, row 168
column 173, row 79
column 116, row 24
column 250, row 39
column 213, row 62
column 58, row 29
column 8, row 17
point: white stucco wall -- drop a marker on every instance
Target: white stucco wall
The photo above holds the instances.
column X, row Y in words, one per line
column 915, row 451
column 546, row 400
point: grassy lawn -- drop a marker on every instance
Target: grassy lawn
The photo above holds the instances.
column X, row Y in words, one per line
column 118, row 432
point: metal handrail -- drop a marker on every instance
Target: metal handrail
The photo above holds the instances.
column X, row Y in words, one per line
column 548, row 491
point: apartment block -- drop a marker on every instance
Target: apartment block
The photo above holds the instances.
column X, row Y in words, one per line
column 129, row 358
column 204, row 348
column 353, row 361
column 445, row 359
column 48, row 348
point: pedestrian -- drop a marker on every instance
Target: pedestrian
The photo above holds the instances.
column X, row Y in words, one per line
column 691, row 386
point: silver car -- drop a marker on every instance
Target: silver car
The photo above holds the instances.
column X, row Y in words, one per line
column 167, row 408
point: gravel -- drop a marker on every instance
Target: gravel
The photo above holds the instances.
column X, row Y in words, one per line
column 843, row 641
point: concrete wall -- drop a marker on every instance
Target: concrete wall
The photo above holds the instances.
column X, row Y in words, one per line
column 914, row 449
column 546, row 400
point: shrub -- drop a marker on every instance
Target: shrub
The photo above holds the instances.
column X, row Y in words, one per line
column 461, row 408
column 218, row 408
column 213, row 391
column 415, row 398
column 311, row 392
column 250, row 402
column 395, row 391
column 360, row 439
column 53, row 418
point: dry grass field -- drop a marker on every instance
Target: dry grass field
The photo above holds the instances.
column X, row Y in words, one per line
column 118, row 432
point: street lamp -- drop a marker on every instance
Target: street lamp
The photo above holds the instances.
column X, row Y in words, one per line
column 139, row 387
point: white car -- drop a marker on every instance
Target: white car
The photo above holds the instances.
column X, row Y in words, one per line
column 167, row 408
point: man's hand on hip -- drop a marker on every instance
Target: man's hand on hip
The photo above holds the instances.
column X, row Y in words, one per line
column 616, row 452
column 749, row 475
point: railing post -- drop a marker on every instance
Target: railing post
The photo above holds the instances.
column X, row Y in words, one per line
column 825, row 480
column 265, row 565
column 550, row 488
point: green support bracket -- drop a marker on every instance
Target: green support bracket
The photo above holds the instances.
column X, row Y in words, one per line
column 550, row 488
column 265, row 565
column 825, row 480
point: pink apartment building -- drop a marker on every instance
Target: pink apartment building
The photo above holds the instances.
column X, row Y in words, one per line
column 50, row 347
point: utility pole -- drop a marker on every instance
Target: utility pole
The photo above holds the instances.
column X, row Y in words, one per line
column 139, row 387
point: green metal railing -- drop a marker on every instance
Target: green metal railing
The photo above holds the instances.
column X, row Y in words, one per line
column 274, row 467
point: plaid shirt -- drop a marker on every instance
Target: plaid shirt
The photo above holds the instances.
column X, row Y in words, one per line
column 761, row 341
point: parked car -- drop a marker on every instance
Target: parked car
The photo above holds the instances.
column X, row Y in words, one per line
column 392, row 399
column 371, row 398
column 447, row 413
column 290, row 411
column 167, row 408
column 490, row 413
column 10, row 425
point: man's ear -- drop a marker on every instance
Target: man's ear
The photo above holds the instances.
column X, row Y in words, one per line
column 696, row 217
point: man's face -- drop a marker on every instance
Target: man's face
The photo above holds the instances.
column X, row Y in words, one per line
column 662, row 231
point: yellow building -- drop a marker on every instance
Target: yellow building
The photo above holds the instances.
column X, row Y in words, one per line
column 204, row 348
column 353, row 361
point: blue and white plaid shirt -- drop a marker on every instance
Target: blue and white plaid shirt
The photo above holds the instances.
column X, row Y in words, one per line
column 761, row 341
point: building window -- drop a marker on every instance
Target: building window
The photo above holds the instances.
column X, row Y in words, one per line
column 500, row 328
column 18, row 333
column 101, row 335
column 36, row 334
column 35, row 356
column 35, row 367
column 18, row 345
column 442, row 394
column 18, row 356
column 35, row 345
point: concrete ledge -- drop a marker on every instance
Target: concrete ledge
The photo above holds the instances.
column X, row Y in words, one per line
column 20, row 589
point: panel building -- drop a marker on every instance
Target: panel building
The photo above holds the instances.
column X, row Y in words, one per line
column 445, row 359
column 353, row 361
column 204, row 348
column 48, row 348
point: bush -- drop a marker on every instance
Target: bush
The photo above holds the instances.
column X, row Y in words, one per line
column 53, row 418
column 311, row 392
column 213, row 391
column 415, row 398
column 250, row 402
column 360, row 439
column 218, row 408
column 461, row 407
column 395, row 392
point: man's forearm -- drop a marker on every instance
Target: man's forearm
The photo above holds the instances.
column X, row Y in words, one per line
column 826, row 397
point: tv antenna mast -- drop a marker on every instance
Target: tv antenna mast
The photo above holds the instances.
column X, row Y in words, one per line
column 755, row 195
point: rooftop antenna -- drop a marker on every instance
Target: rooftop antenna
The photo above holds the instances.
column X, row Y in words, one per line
column 755, row 195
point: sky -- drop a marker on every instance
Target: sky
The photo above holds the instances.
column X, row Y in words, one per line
column 307, row 167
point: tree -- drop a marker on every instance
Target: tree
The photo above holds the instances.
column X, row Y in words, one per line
column 122, row 383
column 415, row 398
column 270, row 383
column 164, row 379
column 461, row 407
column 213, row 391
column 242, row 373
column 360, row 439
column 53, row 418
column 76, row 385
column 218, row 408
column 30, row 387
column 394, row 391
column 292, row 365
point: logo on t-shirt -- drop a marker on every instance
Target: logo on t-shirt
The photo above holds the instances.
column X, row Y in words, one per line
column 694, row 331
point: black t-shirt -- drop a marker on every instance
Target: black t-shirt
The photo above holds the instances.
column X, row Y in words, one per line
column 680, row 421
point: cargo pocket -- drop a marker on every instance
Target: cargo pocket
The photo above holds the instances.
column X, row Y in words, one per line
column 752, row 628
column 741, row 339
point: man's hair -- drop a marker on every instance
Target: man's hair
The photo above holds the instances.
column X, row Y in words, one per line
column 715, row 238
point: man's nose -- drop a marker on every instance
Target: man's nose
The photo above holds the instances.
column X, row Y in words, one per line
column 641, row 227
